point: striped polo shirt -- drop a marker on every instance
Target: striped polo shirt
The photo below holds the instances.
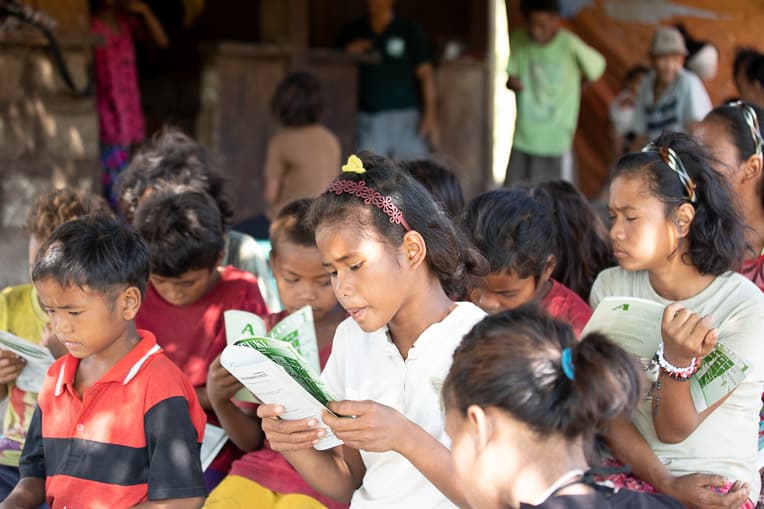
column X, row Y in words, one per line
column 133, row 436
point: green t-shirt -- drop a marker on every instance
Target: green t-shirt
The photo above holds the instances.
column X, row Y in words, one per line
column 390, row 84
column 547, row 107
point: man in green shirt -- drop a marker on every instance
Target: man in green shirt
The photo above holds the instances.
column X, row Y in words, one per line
column 546, row 67
column 389, row 91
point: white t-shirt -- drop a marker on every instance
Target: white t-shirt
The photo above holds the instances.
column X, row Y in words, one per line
column 368, row 366
column 684, row 101
column 726, row 442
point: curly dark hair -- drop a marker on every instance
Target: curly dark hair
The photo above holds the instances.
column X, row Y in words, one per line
column 55, row 208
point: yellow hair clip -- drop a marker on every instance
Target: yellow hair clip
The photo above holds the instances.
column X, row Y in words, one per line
column 354, row 165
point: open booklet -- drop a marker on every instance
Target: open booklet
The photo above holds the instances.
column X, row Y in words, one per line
column 296, row 329
column 277, row 374
column 635, row 324
column 38, row 360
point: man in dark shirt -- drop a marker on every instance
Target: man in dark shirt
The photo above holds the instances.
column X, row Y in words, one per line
column 389, row 91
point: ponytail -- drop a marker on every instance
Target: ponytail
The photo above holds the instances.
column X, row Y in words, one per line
column 530, row 366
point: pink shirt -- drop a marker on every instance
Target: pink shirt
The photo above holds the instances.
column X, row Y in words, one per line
column 753, row 269
column 118, row 98
column 564, row 304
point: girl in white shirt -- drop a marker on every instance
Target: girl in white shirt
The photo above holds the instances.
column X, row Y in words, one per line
column 676, row 235
column 389, row 249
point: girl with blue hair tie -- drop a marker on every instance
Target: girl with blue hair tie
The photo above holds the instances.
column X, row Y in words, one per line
column 522, row 399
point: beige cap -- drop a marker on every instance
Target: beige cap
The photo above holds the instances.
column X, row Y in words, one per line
column 667, row 41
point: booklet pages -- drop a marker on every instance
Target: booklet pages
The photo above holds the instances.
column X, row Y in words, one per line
column 635, row 324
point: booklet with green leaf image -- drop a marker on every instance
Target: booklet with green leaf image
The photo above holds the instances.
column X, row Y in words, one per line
column 275, row 373
column 38, row 360
column 297, row 329
column 635, row 324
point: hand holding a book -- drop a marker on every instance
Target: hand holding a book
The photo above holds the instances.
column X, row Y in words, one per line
column 686, row 334
column 10, row 366
column 221, row 384
column 285, row 435
column 374, row 427
column 697, row 490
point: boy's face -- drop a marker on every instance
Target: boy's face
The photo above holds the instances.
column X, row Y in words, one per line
column 543, row 26
column 501, row 291
column 302, row 280
column 187, row 288
column 667, row 67
column 87, row 322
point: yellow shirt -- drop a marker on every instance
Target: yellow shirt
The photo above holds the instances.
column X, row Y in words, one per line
column 21, row 315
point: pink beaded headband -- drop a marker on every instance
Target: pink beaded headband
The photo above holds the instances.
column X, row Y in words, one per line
column 369, row 197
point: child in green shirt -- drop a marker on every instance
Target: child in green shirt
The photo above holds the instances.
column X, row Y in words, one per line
column 546, row 67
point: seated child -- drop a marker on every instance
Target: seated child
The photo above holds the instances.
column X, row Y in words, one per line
column 174, row 160
column 117, row 424
column 21, row 315
column 263, row 478
column 583, row 244
column 732, row 133
column 188, row 291
column 387, row 266
column 516, row 233
column 522, row 398
column 677, row 237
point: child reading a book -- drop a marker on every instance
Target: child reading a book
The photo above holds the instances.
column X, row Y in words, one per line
column 733, row 133
column 388, row 248
column 116, row 423
column 21, row 315
column 172, row 160
column 676, row 235
column 188, row 291
column 516, row 233
column 522, row 398
column 262, row 477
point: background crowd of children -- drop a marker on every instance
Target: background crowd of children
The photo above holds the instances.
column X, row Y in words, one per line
column 450, row 331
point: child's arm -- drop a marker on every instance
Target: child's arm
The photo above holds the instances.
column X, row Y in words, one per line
column 693, row 490
column 158, row 35
column 379, row 428
column 29, row 493
column 429, row 124
column 243, row 429
column 272, row 173
column 335, row 473
column 685, row 335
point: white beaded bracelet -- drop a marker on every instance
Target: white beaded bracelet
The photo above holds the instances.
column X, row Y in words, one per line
column 675, row 371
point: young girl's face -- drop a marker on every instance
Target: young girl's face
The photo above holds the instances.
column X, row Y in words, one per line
column 467, row 462
column 500, row 291
column 713, row 135
column 643, row 237
column 368, row 274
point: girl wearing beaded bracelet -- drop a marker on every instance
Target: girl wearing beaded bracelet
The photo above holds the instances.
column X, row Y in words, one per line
column 676, row 235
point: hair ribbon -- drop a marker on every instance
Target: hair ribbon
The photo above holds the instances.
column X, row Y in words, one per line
column 566, row 362
column 669, row 156
column 354, row 165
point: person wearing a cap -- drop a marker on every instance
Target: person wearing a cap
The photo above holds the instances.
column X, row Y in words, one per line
column 671, row 98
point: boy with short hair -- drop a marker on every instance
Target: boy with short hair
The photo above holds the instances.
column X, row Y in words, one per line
column 263, row 478
column 21, row 315
column 670, row 98
column 546, row 67
column 516, row 234
column 188, row 292
column 117, row 424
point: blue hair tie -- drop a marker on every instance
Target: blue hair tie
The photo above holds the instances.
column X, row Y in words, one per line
column 567, row 364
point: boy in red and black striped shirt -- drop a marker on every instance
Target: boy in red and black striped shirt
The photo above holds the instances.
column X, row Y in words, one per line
column 117, row 423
